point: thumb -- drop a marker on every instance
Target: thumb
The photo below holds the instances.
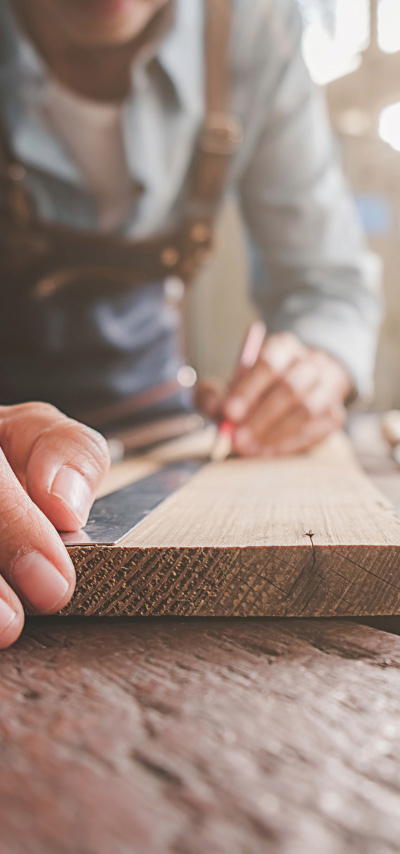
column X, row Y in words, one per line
column 33, row 559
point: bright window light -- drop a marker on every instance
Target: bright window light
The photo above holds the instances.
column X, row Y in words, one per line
column 389, row 125
column 389, row 25
column 331, row 56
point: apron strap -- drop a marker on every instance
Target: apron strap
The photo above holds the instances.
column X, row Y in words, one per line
column 12, row 177
column 219, row 141
column 222, row 132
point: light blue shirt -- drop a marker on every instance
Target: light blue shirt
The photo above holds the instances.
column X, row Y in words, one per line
column 311, row 269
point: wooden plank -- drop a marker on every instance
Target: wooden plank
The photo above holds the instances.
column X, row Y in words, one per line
column 375, row 455
column 197, row 445
column 239, row 736
column 305, row 536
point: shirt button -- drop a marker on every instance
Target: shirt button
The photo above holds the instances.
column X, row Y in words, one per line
column 174, row 289
column 170, row 256
column 200, row 232
column 187, row 376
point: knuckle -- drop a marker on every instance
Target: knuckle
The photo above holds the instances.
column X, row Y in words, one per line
column 29, row 411
column 265, row 356
column 32, row 411
column 304, row 405
column 289, row 386
column 70, row 443
column 289, row 339
column 308, row 411
column 95, row 445
column 281, row 350
column 39, row 408
column 289, row 383
column 292, row 343
column 269, row 364
column 18, row 422
column 100, row 446
column 90, row 441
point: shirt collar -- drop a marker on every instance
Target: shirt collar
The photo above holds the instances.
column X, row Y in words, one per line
column 23, row 81
column 24, row 77
column 181, row 53
column 16, row 52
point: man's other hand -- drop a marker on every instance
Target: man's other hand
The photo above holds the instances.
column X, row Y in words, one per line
column 50, row 468
column 291, row 399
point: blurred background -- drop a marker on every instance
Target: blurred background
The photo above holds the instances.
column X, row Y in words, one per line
column 352, row 49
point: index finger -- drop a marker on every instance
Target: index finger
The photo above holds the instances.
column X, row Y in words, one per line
column 59, row 461
column 277, row 355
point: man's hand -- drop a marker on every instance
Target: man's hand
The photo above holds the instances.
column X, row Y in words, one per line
column 50, row 468
column 291, row 399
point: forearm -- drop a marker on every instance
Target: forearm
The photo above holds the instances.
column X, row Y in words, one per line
column 312, row 272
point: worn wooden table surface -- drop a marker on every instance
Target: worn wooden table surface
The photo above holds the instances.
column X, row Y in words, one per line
column 149, row 736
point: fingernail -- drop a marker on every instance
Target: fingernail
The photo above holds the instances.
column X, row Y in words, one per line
column 73, row 490
column 39, row 582
column 7, row 616
column 236, row 408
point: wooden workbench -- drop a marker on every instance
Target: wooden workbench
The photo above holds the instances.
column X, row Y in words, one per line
column 148, row 736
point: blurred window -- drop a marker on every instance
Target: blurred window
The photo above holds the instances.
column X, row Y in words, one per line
column 389, row 25
column 389, row 125
column 332, row 51
column 335, row 34
column 336, row 31
column 376, row 214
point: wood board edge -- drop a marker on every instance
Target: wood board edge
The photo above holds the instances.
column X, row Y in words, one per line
column 252, row 581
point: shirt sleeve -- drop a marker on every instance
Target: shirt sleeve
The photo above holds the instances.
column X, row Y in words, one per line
column 312, row 271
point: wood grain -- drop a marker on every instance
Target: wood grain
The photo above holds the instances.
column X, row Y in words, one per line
column 192, row 736
column 193, row 445
column 305, row 536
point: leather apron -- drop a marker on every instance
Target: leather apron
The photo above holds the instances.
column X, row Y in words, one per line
column 56, row 282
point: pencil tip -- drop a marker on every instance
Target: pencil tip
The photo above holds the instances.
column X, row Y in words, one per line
column 222, row 448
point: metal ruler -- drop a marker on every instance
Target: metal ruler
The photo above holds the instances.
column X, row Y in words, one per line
column 114, row 515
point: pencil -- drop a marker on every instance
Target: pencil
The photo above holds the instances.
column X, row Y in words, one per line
column 249, row 354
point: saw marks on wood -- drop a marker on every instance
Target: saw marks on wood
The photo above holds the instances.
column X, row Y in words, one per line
column 305, row 536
